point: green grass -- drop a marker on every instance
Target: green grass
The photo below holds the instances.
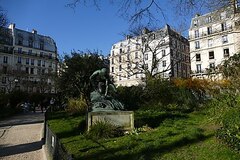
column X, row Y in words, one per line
column 174, row 136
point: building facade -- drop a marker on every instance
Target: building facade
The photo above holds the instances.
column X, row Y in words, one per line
column 213, row 38
column 28, row 61
column 163, row 52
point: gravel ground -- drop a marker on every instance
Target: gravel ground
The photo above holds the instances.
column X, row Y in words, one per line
column 21, row 137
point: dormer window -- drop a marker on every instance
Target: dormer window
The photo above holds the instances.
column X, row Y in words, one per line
column 41, row 45
column 209, row 19
column 195, row 22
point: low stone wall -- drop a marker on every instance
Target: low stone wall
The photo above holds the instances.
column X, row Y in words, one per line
column 124, row 119
column 53, row 148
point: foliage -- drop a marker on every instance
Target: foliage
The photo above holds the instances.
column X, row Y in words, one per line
column 224, row 110
column 77, row 106
column 74, row 78
column 166, row 95
column 103, row 130
column 231, row 71
column 131, row 97
column 230, row 131
column 10, row 102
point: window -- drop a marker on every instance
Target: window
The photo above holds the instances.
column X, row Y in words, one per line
column 41, row 45
column 197, row 45
column 43, row 71
column 198, row 57
column 136, row 76
column 112, row 60
column 146, row 56
column 128, row 48
column 120, row 77
column 27, row 60
column 4, row 80
column 136, row 54
column 196, row 33
column 43, row 63
column 209, row 30
column 128, row 76
column 163, row 53
column 19, row 60
column 146, row 66
column 224, row 39
column 120, row 59
column 39, row 63
column 20, row 41
column 41, row 54
column 210, row 42
column 225, row 52
column 164, row 63
column 50, row 65
column 32, row 71
column 19, row 50
column 120, row 68
column 195, row 22
column 209, row 19
column 4, row 69
column 30, row 42
column 223, row 15
column 50, row 56
column 224, row 26
column 211, row 55
column 128, row 57
column 212, row 65
column 112, row 69
column 27, row 70
column 128, row 66
column 32, row 62
column 29, row 52
column 5, row 49
column 120, row 50
column 137, row 46
column 5, row 59
column 199, row 68
column 112, row 53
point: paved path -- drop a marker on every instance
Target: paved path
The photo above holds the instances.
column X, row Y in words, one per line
column 21, row 137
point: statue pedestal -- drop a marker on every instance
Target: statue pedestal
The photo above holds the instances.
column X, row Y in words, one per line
column 124, row 119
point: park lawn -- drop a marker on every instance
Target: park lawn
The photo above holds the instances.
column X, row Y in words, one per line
column 168, row 136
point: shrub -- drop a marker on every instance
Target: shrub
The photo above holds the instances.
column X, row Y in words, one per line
column 131, row 97
column 230, row 131
column 77, row 106
column 103, row 130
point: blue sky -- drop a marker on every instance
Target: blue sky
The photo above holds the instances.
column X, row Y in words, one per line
column 79, row 29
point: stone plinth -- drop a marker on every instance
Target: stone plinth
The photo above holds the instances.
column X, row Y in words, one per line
column 124, row 119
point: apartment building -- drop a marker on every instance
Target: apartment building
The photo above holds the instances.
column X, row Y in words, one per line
column 28, row 61
column 162, row 52
column 213, row 38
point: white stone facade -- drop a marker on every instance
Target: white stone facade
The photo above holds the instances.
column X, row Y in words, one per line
column 27, row 61
column 213, row 38
column 132, row 57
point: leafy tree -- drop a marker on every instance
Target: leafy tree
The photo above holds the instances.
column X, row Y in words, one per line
column 74, row 77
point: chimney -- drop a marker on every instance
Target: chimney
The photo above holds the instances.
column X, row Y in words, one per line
column 34, row 31
column 12, row 26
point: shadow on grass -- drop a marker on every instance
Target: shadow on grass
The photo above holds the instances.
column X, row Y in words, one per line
column 155, row 120
column 147, row 152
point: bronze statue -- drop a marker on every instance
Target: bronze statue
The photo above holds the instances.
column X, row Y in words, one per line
column 101, row 97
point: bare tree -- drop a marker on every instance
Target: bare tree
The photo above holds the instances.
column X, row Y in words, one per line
column 138, row 12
